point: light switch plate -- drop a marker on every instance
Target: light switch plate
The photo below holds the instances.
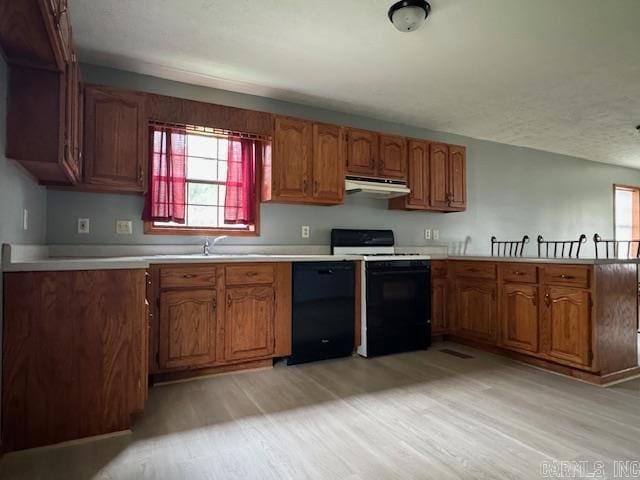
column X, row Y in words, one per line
column 124, row 227
column 304, row 231
column 83, row 226
column 427, row 234
column 436, row 234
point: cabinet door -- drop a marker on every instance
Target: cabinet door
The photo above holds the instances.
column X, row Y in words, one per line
column 362, row 152
column 393, row 157
column 439, row 172
column 566, row 333
column 418, row 173
column 457, row 177
column 476, row 314
column 249, row 322
column 519, row 317
column 439, row 306
column 116, row 136
column 187, row 328
column 291, row 158
column 328, row 163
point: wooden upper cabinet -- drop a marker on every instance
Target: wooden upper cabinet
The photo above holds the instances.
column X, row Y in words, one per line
column 566, row 325
column 439, row 175
column 457, row 177
column 39, row 117
column 116, row 139
column 476, row 309
column 291, row 161
column 73, row 120
column 306, row 164
column 519, row 317
column 448, row 180
column 249, row 322
column 362, row 153
column 62, row 29
column 187, row 328
column 392, row 161
column 328, row 163
column 417, row 178
column 36, row 33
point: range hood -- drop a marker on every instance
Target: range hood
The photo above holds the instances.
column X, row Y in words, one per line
column 375, row 187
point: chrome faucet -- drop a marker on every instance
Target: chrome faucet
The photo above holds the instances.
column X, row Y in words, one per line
column 207, row 244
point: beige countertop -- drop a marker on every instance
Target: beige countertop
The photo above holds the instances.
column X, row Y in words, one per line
column 33, row 258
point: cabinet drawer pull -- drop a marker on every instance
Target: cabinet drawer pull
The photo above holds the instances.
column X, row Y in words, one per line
column 189, row 275
column 567, row 277
column 473, row 270
column 251, row 274
column 519, row 273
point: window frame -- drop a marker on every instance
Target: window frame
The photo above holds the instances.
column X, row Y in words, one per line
column 151, row 229
column 635, row 223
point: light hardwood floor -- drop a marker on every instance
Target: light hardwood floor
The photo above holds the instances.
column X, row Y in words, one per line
column 416, row 415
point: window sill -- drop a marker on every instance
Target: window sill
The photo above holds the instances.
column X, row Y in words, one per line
column 149, row 229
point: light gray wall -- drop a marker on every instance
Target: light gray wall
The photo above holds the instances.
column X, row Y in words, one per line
column 512, row 191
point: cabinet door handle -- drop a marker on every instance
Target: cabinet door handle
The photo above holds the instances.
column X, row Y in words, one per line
column 304, row 184
column 315, row 186
column 547, row 299
column 140, row 174
column 228, row 300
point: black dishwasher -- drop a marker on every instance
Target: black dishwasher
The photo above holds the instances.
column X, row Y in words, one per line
column 323, row 311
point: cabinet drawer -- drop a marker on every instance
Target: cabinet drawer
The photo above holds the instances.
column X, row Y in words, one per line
column 250, row 274
column 176, row 277
column 570, row 275
column 475, row 269
column 438, row 269
column 515, row 272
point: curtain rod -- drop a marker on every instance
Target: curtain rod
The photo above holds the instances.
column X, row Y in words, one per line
column 212, row 131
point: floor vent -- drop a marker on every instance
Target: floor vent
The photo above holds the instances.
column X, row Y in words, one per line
column 448, row 351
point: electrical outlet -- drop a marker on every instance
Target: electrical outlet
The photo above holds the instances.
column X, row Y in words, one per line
column 25, row 219
column 124, row 227
column 83, row 226
column 304, row 231
column 427, row 234
column 436, row 234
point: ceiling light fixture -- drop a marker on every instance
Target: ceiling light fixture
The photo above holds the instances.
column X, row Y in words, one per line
column 409, row 15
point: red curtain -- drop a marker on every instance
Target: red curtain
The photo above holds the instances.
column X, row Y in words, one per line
column 240, row 199
column 165, row 200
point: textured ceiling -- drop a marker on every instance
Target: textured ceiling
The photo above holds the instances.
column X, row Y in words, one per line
column 557, row 75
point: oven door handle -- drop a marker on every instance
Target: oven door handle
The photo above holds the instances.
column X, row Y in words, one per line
column 394, row 272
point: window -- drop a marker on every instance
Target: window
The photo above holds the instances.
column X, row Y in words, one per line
column 202, row 182
column 626, row 212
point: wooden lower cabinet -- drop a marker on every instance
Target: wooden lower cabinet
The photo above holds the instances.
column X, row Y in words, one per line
column 519, row 317
column 249, row 322
column 217, row 315
column 566, row 325
column 476, row 306
column 187, row 328
column 439, row 306
column 73, row 358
